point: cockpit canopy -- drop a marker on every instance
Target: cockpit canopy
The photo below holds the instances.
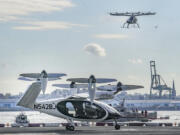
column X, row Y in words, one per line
column 81, row 109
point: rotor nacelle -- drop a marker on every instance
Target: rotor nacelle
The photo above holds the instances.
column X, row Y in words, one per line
column 43, row 74
column 132, row 17
column 119, row 87
column 92, row 87
column 43, row 79
column 72, row 85
column 92, row 79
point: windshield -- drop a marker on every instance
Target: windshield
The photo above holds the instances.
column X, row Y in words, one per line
column 81, row 109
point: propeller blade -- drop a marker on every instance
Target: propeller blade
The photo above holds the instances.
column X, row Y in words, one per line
column 131, row 87
column 31, row 75
column 85, row 80
column 25, row 79
column 53, row 79
column 78, row 80
column 68, row 85
column 105, row 80
column 56, row 75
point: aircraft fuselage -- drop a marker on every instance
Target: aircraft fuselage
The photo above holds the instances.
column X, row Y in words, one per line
column 132, row 20
column 78, row 109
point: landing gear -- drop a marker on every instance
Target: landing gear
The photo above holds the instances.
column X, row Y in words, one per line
column 126, row 25
column 70, row 127
column 117, row 126
column 137, row 25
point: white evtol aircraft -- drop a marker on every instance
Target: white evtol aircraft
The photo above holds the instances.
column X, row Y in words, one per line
column 132, row 17
column 104, row 91
column 75, row 107
column 43, row 77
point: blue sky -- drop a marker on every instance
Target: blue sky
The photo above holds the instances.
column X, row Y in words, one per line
column 80, row 38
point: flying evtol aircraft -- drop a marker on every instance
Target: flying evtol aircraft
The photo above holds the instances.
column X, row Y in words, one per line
column 43, row 77
column 132, row 17
column 102, row 92
column 74, row 107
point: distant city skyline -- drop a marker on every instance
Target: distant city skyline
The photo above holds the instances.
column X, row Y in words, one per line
column 80, row 38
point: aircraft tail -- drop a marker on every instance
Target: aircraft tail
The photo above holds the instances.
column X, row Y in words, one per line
column 30, row 95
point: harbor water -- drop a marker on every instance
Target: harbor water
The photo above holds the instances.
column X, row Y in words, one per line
column 37, row 117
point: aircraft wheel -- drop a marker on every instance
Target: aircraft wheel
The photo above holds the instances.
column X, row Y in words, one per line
column 117, row 126
column 70, row 128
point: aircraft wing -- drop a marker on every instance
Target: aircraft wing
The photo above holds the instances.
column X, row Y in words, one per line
column 62, row 85
column 99, row 96
column 83, row 95
column 85, row 80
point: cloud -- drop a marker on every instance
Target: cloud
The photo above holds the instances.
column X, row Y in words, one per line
column 46, row 25
column 95, row 49
column 14, row 9
column 111, row 36
column 135, row 61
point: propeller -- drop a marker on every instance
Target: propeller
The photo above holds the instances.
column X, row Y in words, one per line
column 119, row 87
column 43, row 77
column 91, row 81
column 38, row 75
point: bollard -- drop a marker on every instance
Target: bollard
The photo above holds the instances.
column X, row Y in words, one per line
column 110, row 124
column 34, row 124
column 2, row 125
column 136, row 124
column 100, row 124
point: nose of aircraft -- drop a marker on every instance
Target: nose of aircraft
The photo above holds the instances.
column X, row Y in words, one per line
column 114, row 115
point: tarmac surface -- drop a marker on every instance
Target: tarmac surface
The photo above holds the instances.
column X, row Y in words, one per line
column 91, row 130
